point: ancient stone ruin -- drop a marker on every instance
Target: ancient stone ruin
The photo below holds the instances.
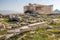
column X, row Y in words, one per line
column 37, row 8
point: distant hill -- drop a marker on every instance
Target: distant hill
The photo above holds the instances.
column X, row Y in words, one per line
column 8, row 12
column 56, row 11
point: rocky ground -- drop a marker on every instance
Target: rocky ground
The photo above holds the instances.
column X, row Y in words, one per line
column 49, row 32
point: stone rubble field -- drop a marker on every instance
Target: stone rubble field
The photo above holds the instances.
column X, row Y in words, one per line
column 30, row 27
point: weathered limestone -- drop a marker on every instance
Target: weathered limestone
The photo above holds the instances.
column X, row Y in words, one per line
column 2, row 26
column 30, row 27
column 14, row 18
column 54, row 21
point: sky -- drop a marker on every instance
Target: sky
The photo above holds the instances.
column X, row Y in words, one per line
column 17, row 5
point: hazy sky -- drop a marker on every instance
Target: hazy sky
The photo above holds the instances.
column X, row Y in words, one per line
column 17, row 5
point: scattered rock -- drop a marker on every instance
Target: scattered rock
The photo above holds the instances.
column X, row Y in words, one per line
column 49, row 27
column 2, row 26
column 54, row 21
